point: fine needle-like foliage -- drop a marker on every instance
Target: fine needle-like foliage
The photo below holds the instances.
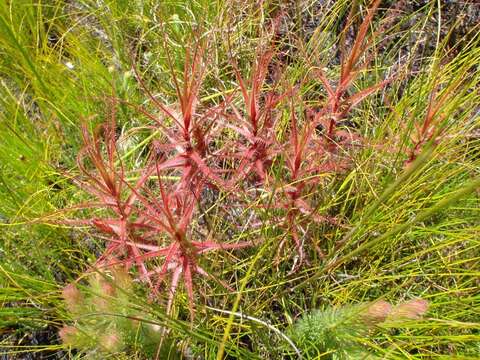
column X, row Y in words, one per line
column 338, row 333
column 105, row 324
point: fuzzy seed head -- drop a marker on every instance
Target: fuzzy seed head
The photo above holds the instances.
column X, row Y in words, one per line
column 73, row 297
column 111, row 342
column 68, row 335
column 377, row 311
column 107, row 288
column 413, row 309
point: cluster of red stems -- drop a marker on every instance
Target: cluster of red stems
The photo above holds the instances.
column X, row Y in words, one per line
column 225, row 147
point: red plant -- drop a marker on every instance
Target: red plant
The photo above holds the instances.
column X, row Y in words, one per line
column 148, row 225
column 106, row 181
column 433, row 126
column 255, row 124
column 338, row 102
column 305, row 155
column 142, row 221
column 257, row 128
column 171, row 214
column 301, row 179
column 191, row 132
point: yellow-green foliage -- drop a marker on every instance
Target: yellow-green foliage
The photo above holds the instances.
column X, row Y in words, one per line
column 104, row 322
column 340, row 333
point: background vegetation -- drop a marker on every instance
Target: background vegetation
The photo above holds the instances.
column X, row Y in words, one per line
column 394, row 213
